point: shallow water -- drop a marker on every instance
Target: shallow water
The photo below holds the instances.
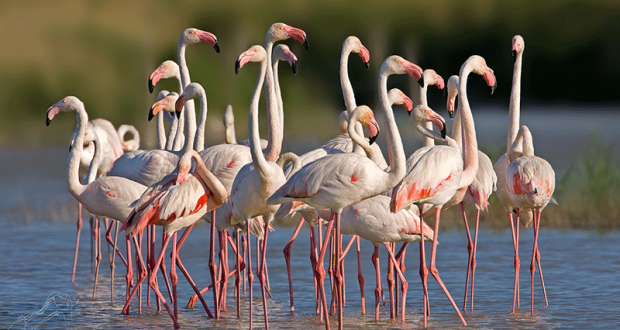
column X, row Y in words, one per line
column 36, row 255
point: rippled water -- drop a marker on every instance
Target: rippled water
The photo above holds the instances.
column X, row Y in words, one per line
column 581, row 270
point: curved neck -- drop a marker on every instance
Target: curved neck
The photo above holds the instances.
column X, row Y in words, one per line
column 347, row 91
column 190, row 110
column 260, row 163
column 515, row 102
column 95, row 162
column 161, row 131
column 274, row 139
column 73, row 176
column 219, row 193
column 173, row 134
column 276, row 83
column 359, row 140
column 426, row 141
column 199, row 143
column 457, row 128
column 523, row 145
column 469, row 143
column 395, row 144
column 179, row 124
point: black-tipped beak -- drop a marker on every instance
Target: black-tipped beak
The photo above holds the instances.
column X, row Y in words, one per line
column 372, row 139
column 47, row 121
column 451, row 114
column 493, row 87
column 421, row 81
column 443, row 132
column 409, row 112
column 216, row 47
column 151, row 114
column 306, row 43
column 237, row 67
column 178, row 114
column 367, row 64
column 151, row 87
column 514, row 55
column 294, row 67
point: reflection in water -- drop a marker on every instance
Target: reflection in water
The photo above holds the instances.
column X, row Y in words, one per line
column 36, row 249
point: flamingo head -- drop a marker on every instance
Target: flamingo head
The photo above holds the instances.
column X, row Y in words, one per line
column 282, row 52
column 397, row 65
column 356, row 46
column 517, row 46
column 166, row 104
column 432, row 78
column 367, row 118
column 191, row 92
column 280, row 31
column 185, row 163
column 68, row 103
column 194, row 36
column 167, row 69
column 396, row 96
column 453, row 90
column 256, row 53
column 423, row 113
column 479, row 66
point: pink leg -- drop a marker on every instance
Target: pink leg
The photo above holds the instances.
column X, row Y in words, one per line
column 77, row 241
column 423, row 269
column 175, row 256
column 261, row 274
column 152, row 282
column 378, row 288
column 320, row 270
column 339, row 275
column 237, row 282
column 223, row 269
column 129, row 276
column 244, row 246
column 113, row 264
column 533, row 263
column 108, row 238
column 542, row 281
column 470, row 246
column 434, row 271
column 173, row 273
column 287, row 259
column 404, row 284
column 149, row 269
column 141, row 272
column 162, row 267
column 250, row 275
column 514, row 228
column 313, row 257
column 98, row 258
column 212, row 265
column 473, row 260
column 390, row 282
column 360, row 277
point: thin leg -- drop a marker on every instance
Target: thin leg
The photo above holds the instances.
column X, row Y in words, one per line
column 360, row 277
column 470, row 247
column 339, row 275
column 173, row 273
column 113, row 264
column 149, row 264
column 237, row 282
column 77, row 242
column 473, row 260
column 542, row 281
column 313, row 257
column 190, row 280
column 98, row 258
column 287, row 259
column 245, row 271
column 434, row 271
column 533, row 263
column 212, row 265
column 390, row 282
column 423, row 269
column 129, row 276
column 320, row 270
column 250, row 275
column 378, row 288
column 404, row 284
column 514, row 228
column 162, row 267
column 261, row 273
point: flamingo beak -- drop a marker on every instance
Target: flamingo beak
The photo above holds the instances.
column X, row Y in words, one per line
column 156, row 108
column 178, row 106
column 408, row 103
column 294, row 67
column 365, row 55
column 51, row 112
column 373, row 131
column 450, row 107
column 244, row 58
column 297, row 34
column 415, row 71
column 180, row 177
column 438, row 121
column 155, row 77
column 489, row 77
column 209, row 38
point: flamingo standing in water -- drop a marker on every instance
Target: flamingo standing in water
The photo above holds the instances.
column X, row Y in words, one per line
column 530, row 181
column 339, row 180
column 452, row 169
column 107, row 196
column 477, row 193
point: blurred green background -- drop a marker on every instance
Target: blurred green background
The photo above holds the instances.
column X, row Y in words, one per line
column 103, row 52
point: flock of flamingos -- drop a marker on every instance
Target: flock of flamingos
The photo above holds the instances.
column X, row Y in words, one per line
column 344, row 187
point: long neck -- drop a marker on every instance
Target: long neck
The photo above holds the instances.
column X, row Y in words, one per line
column 469, row 143
column 161, row 131
column 347, row 90
column 426, row 141
column 276, row 82
column 219, row 193
column 200, row 131
column 190, row 110
column 231, row 136
column 260, row 163
column 457, row 128
column 522, row 146
column 274, row 139
column 73, row 176
column 515, row 102
column 95, row 162
column 395, row 144
column 173, row 134
column 362, row 142
column 179, row 124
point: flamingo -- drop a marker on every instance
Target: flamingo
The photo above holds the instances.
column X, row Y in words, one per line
column 530, row 181
column 132, row 144
column 108, row 196
column 477, row 193
column 256, row 181
column 430, row 78
column 339, row 180
column 169, row 69
column 453, row 169
column 165, row 105
column 148, row 167
column 176, row 202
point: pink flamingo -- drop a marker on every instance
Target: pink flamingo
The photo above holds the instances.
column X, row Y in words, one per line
column 169, row 69
column 176, row 202
column 339, row 180
column 453, row 169
column 108, row 196
column 530, row 182
column 477, row 193
column 430, row 78
column 132, row 144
